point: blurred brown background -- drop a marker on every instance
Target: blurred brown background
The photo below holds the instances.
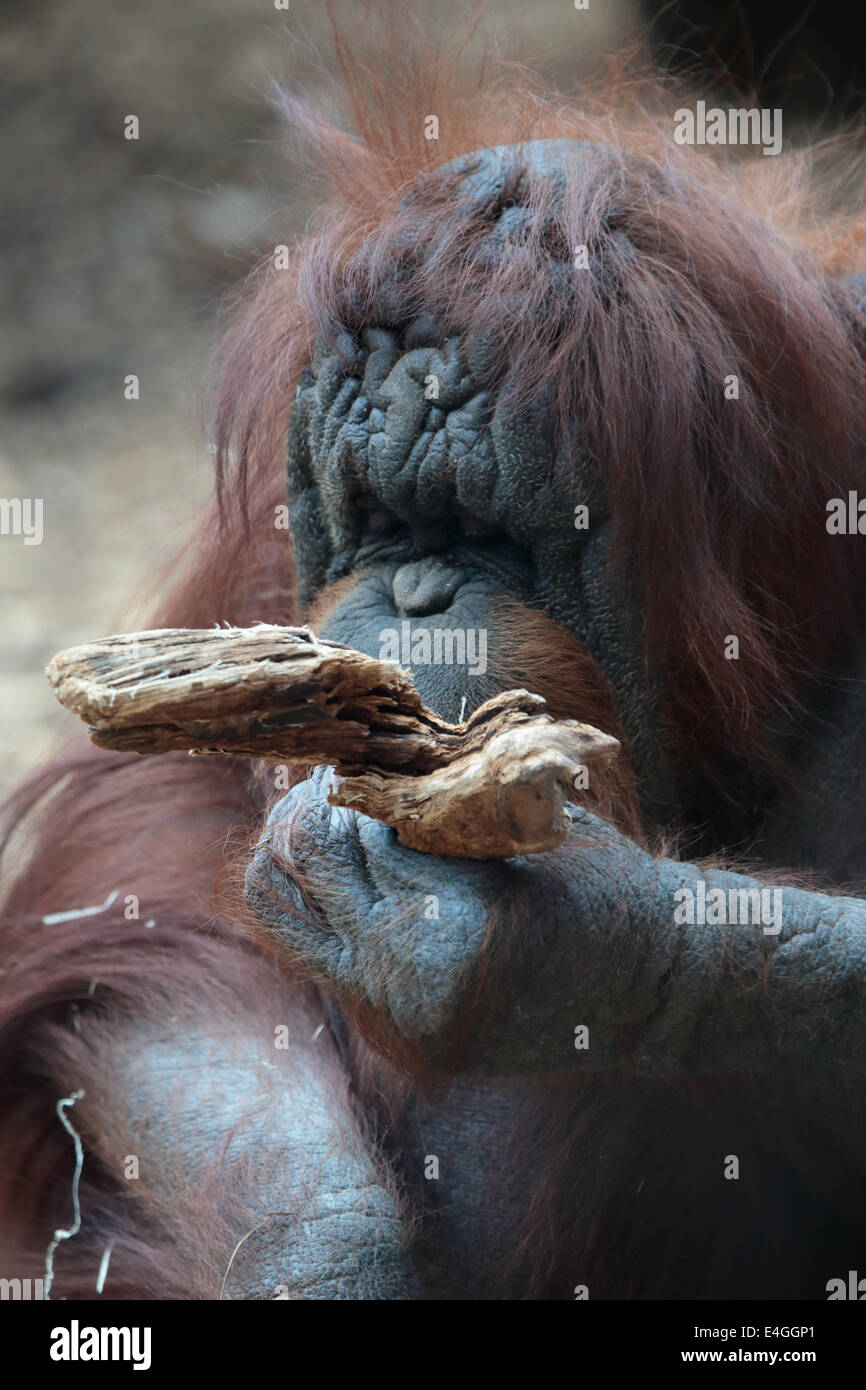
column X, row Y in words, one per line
column 114, row 257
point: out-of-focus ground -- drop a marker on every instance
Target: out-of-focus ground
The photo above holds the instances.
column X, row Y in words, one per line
column 114, row 258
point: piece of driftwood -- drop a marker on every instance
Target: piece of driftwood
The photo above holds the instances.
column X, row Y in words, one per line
column 493, row 786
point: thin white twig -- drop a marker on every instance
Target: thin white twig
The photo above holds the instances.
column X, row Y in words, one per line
column 103, row 1267
column 74, row 913
column 61, row 1234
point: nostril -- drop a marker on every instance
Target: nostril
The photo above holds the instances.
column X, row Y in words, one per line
column 426, row 586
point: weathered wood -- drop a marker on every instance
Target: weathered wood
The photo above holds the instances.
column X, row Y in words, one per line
column 493, row 786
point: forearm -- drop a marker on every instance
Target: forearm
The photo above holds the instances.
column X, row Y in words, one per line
column 672, row 979
column 247, row 1155
column 579, row 961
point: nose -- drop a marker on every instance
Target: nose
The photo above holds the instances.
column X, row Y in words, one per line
column 426, row 586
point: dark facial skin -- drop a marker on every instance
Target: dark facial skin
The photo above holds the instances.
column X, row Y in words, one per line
column 403, row 453
column 440, row 515
column 469, row 1079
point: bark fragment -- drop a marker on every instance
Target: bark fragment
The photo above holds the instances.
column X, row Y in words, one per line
column 493, row 786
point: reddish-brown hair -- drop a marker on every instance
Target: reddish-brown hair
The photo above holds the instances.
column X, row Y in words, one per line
column 723, row 265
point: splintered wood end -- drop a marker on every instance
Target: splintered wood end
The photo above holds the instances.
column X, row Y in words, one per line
column 495, row 785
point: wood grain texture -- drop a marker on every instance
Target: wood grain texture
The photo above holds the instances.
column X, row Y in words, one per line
column 493, row 786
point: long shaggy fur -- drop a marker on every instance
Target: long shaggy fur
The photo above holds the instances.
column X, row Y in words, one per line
column 724, row 266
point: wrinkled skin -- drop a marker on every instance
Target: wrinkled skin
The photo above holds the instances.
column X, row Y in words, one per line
column 584, row 936
column 528, row 1048
column 438, row 513
column 603, row 952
